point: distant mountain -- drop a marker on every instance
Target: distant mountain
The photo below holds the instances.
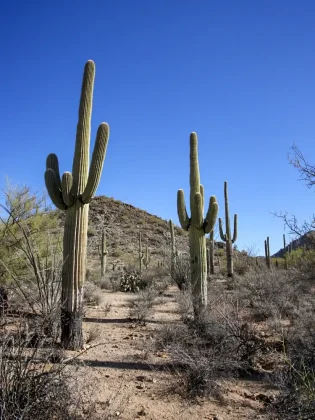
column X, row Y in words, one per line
column 307, row 240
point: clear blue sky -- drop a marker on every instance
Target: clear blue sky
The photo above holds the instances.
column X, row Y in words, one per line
column 239, row 73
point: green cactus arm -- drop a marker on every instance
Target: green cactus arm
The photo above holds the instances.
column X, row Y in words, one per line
column 212, row 214
column 53, row 190
column 52, row 163
column 66, row 185
column 197, row 211
column 194, row 170
column 222, row 235
column 181, row 210
column 96, row 167
column 235, row 229
column 81, row 157
column 266, row 251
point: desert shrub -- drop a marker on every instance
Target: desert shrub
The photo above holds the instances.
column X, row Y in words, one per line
column 269, row 293
column 156, row 279
column 92, row 294
column 142, row 306
column 105, row 283
column 304, row 261
column 132, row 282
column 295, row 377
column 180, row 272
column 91, row 231
column 216, row 345
column 31, row 386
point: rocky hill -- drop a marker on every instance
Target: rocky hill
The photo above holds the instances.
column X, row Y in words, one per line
column 122, row 223
column 307, row 240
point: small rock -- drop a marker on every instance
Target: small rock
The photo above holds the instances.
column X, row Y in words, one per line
column 141, row 378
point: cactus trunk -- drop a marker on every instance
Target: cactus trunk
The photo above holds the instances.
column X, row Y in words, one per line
column 229, row 258
column 198, row 264
column 73, row 274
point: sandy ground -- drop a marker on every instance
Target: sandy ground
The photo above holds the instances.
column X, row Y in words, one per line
column 126, row 381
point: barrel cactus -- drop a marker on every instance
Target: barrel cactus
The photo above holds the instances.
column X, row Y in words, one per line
column 73, row 193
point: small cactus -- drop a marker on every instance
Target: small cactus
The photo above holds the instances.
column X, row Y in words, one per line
column 147, row 257
column 197, row 227
column 174, row 252
column 267, row 253
column 227, row 236
column 141, row 254
column 102, row 250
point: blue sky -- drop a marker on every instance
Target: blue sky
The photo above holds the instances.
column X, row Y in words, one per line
column 239, row 73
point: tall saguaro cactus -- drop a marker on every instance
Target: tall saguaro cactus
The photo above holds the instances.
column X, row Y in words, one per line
column 73, row 193
column 227, row 236
column 197, row 227
column 102, row 250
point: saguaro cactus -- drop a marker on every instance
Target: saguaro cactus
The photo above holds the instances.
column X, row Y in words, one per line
column 227, row 237
column 73, row 193
column 197, row 227
column 102, row 250
column 267, row 253
column 174, row 252
column 141, row 254
column 147, row 257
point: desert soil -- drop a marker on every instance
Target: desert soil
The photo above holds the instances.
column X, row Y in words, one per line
column 127, row 381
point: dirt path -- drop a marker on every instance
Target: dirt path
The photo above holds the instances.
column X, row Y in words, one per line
column 123, row 379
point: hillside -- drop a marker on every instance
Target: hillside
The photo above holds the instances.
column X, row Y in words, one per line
column 307, row 240
column 122, row 223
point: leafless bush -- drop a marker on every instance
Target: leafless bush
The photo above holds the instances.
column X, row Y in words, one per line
column 142, row 306
column 270, row 293
column 92, row 334
column 92, row 294
column 31, row 386
column 295, row 377
column 180, row 272
column 217, row 345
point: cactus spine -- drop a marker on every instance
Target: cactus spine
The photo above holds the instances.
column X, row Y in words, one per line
column 267, row 253
column 227, row 237
column 197, row 227
column 174, row 252
column 102, row 250
column 73, row 193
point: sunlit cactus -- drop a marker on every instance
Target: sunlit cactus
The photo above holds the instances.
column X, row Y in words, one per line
column 73, row 193
column 227, row 236
column 102, row 250
column 174, row 252
column 197, row 227
column 267, row 253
